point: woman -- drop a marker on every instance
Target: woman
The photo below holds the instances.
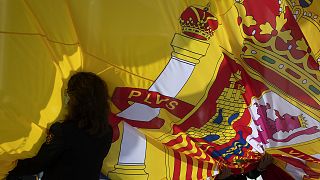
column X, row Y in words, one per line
column 75, row 148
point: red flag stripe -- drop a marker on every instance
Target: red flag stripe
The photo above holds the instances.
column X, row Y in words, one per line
column 200, row 168
column 189, row 167
column 177, row 166
column 210, row 169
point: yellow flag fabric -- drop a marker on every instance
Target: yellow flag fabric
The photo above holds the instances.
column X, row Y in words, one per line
column 195, row 85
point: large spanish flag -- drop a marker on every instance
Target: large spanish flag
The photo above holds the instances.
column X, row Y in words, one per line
column 195, row 84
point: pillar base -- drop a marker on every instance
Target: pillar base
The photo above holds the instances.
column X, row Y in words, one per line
column 132, row 172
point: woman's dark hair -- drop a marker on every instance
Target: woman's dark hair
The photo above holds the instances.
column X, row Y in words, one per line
column 88, row 106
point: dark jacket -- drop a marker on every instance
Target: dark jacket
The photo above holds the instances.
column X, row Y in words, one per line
column 68, row 153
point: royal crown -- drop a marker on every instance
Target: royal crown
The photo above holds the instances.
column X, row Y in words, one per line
column 276, row 46
column 198, row 23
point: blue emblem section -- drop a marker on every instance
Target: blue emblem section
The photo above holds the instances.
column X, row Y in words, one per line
column 233, row 117
column 235, row 149
column 219, row 119
column 211, row 137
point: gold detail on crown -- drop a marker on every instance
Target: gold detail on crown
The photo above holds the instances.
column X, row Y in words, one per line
column 284, row 35
column 306, row 79
column 299, row 12
column 308, row 14
column 302, row 121
column 279, row 64
column 198, row 27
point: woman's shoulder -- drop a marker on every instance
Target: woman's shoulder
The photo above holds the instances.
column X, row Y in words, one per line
column 61, row 127
column 56, row 127
column 65, row 130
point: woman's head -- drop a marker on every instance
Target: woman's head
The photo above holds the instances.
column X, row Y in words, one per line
column 88, row 105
